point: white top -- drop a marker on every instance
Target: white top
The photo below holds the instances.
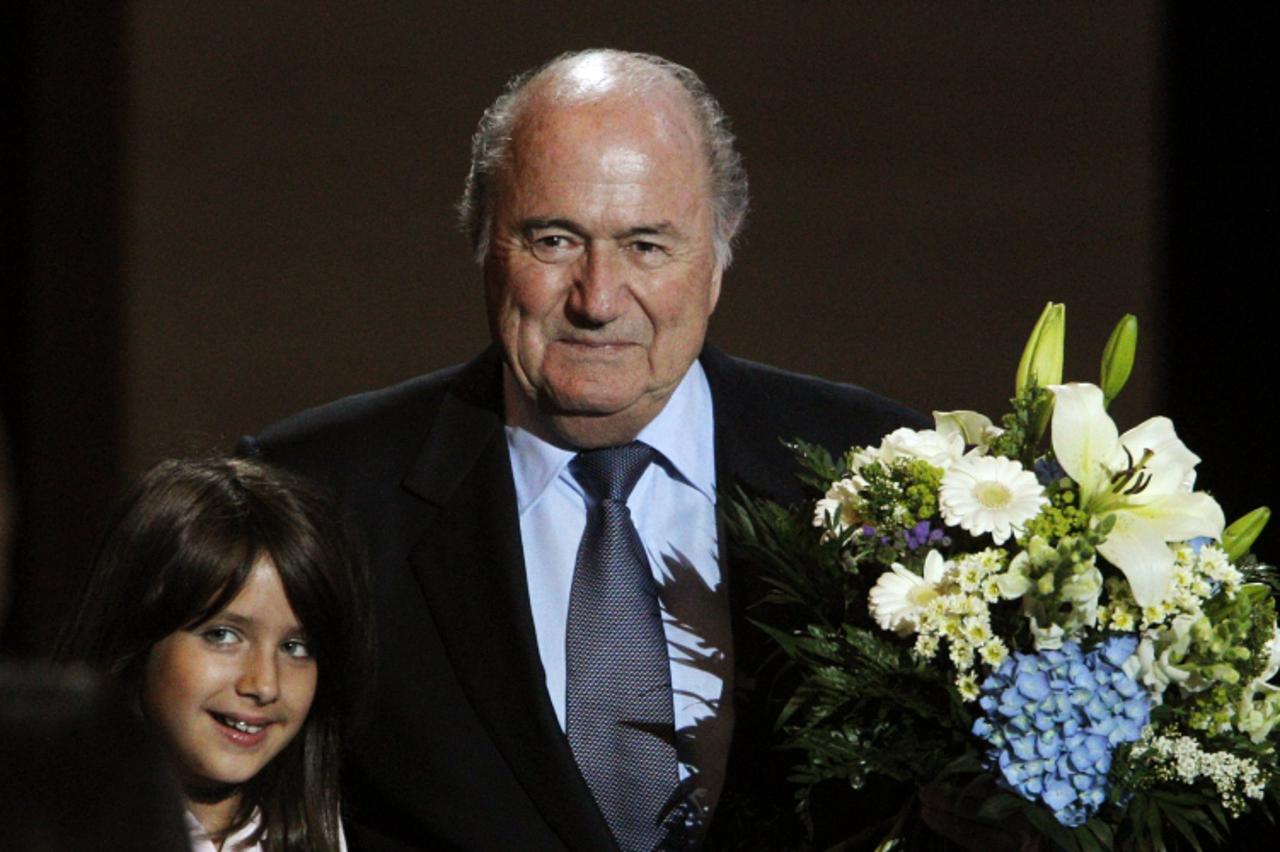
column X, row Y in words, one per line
column 200, row 841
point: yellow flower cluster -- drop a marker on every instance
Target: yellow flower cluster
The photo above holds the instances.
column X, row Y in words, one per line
column 1196, row 578
column 960, row 614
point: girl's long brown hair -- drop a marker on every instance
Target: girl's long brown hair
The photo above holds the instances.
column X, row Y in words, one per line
column 180, row 550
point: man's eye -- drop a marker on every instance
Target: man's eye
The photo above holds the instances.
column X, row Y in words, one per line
column 648, row 254
column 296, row 648
column 553, row 248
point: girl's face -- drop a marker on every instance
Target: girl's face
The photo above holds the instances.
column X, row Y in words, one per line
column 231, row 692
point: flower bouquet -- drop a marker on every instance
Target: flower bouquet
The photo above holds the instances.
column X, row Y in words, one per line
column 1038, row 629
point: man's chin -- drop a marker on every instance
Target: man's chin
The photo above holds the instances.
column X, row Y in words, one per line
column 598, row 396
column 587, row 407
column 599, row 421
column 578, row 411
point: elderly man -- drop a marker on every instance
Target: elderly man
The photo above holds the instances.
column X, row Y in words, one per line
column 563, row 661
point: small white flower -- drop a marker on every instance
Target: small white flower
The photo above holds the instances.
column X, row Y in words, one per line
column 970, row 576
column 989, row 494
column 994, row 653
column 1123, row 620
column 976, row 630
column 926, row 646
column 899, row 597
column 967, row 684
column 841, row 504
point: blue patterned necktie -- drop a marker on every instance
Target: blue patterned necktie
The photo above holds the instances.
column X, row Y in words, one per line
column 619, row 718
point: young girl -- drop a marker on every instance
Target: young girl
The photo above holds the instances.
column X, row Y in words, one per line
column 230, row 599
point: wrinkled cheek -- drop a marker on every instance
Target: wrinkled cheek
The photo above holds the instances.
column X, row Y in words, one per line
column 677, row 344
column 524, row 343
column 555, row 371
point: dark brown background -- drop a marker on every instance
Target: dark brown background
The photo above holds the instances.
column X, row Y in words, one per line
column 221, row 213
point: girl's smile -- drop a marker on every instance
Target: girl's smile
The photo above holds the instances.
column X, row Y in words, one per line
column 230, row 693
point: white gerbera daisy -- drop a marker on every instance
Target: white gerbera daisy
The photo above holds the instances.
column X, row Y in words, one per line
column 989, row 494
column 899, row 596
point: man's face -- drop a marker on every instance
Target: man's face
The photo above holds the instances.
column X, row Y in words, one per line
column 601, row 274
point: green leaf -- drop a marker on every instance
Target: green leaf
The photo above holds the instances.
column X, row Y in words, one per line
column 1102, row 830
column 1044, row 822
column 1179, row 822
column 789, row 643
column 1153, row 826
column 1087, row 841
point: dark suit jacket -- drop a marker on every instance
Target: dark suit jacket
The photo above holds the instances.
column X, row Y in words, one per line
column 463, row 750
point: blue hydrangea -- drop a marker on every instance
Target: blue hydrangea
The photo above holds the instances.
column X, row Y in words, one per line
column 1053, row 719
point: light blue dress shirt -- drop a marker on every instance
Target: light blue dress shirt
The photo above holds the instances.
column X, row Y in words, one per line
column 673, row 507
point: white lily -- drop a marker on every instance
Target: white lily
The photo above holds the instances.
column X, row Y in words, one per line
column 1143, row 477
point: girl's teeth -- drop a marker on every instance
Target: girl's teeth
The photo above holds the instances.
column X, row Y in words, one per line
column 244, row 727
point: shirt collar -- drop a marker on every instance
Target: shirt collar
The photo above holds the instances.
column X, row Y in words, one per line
column 683, row 432
column 197, row 832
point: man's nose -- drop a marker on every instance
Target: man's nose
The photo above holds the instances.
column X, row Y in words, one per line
column 599, row 293
column 260, row 676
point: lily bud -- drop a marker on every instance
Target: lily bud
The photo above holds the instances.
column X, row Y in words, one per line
column 1042, row 358
column 1117, row 358
column 1240, row 536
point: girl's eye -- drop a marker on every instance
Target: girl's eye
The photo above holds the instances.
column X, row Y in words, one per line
column 220, row 636
column 296, row 648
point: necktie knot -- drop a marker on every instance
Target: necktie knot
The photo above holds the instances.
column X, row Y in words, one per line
column 611, row 473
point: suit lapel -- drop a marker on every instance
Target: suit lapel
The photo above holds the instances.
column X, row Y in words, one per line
column 471, row 567
column 748, row 456
column 749, row 450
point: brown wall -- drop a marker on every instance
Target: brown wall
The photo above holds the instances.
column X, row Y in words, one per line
column 232, row 211
column 925, row 177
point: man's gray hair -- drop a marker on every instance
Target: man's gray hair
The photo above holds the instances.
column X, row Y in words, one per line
column 491, row 142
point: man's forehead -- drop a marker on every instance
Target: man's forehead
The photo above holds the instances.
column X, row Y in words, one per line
column 617, row 132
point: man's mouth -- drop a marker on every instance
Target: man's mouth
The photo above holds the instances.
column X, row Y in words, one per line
column 597, row 345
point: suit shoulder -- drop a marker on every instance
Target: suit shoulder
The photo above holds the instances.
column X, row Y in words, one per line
column 800, row 405
column 388, row 421
column 759, row 408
